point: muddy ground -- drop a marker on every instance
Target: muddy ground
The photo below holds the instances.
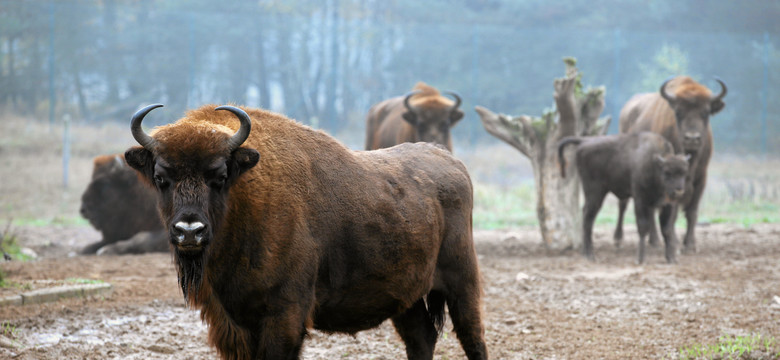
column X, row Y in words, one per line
column 537, row 305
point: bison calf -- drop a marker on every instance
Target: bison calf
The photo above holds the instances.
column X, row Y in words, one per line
column 119, row 205
column 642, row 166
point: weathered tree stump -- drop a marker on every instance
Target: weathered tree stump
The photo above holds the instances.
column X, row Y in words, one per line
column 576, row 113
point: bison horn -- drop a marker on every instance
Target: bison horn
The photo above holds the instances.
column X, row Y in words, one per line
column 135, row 127
column 457, row 99
column 408, row 96
column 723, row 90
column 243, row 132
column 664, row 94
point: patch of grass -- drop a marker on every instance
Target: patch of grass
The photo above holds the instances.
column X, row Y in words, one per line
column 8, row 329
column 79, row 221
column 754, row 346
column 16, row 285
column 497, row 207
column 11, row 250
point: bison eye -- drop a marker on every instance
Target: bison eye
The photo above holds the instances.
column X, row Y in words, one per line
column 218, row 182
column 160, row 182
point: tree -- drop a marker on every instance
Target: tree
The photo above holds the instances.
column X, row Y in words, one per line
column 576, row 113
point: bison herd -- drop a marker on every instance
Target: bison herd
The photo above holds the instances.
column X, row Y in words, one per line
column 276, row 228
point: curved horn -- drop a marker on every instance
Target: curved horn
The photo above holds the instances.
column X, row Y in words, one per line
column 664, row 94
column 409, row 95
column 723, row 90
column 457, row 99
column 135, row 128
column 243, row 132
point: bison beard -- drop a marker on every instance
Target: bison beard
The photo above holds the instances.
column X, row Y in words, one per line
column 189, row 267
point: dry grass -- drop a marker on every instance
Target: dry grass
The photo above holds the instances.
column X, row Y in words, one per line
column 741, row 190
column 32, row 167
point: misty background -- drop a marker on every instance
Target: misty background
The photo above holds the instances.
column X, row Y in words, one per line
column 324, row 63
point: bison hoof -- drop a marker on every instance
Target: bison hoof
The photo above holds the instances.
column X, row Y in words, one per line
column 653, row 243
column 689, row 249
column 590, row 257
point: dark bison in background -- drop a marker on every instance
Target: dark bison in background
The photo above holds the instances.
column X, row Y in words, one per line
column 277, row 228
column 422, row 115
column 124, row 209
column 642, row 166
column 680, row 112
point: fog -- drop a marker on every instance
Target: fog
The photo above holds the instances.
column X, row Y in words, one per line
column 325, row 63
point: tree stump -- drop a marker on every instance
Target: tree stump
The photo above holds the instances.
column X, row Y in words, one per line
column 576, row 113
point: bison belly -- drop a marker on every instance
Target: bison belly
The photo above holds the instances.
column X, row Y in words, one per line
column 374, row 276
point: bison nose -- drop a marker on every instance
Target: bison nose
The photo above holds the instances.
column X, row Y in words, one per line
column 188, row 233
column 692, row 136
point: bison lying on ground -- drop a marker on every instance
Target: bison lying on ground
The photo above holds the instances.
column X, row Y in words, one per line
column 119, row 205
column 293, row 230
column 680, row 111
column 422, row 115
column 642, row 166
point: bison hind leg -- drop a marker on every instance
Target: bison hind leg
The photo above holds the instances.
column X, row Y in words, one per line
column 419, row 328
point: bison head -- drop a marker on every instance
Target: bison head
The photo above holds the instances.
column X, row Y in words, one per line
column 693, row 104
column 672, row 170
column 431, row 121
column 192, row 165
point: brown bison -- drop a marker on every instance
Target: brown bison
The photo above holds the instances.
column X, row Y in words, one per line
column 680, row 112
column 119, row 205
column 421, row 115
column 282, row 228
column 642, row 166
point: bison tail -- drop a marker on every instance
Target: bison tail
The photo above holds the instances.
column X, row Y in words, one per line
column 435, row 302
column 561, row 145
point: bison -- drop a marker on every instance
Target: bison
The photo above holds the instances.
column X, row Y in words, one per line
column 642, row 166
column 680, row 112
column 277, row 228
column 421, row 115
column 118, row 203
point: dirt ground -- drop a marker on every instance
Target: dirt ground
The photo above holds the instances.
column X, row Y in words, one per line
column 537, row 305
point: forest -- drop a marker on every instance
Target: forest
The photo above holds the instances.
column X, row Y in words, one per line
column 325, row 63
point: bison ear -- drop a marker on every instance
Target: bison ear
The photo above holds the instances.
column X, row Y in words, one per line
column 245, row 159
column 455, row 116
column 716, row 106
column 142, row 160
column 410, row 117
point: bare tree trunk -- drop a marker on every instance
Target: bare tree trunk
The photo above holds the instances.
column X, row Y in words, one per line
column 577, row 113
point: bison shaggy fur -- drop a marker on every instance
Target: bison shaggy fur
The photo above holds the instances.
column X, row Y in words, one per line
column 292, row 231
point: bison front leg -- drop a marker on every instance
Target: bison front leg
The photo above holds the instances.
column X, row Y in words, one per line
column 594, row 198
column 644, row 224
column 668, row 217
column 691, row 218
column 417, row 328
column 281, row 336
column 618, row 237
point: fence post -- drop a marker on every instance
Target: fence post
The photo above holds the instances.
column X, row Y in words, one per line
column 65, row 149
